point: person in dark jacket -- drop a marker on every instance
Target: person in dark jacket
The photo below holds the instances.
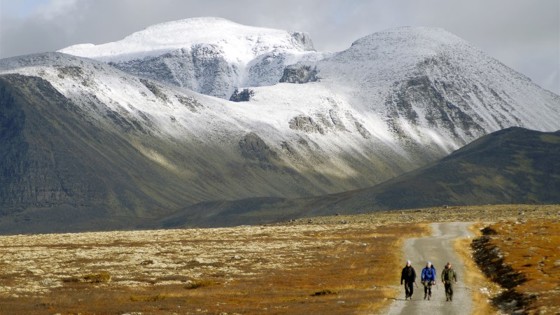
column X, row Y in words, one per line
column 408, row 276
column 428, row 278
column 448, row 276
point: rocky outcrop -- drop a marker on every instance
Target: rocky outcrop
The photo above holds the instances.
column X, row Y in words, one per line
column 241, row 96
column 190, row 102
column 303, row 40
column 420, row 100
column 362, row 130
column 299, row 74
column 202, row 69
column 254, row 148
column 306, row 124
column 155, row 90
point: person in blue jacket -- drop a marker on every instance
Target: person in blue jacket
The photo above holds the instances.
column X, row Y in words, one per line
column 428, row 278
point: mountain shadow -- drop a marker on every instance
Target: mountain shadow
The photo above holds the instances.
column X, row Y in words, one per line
column 61, row 172
column 511, row 166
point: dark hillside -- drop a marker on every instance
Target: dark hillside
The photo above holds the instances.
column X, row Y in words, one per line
column 511, row 166
column 59, row 171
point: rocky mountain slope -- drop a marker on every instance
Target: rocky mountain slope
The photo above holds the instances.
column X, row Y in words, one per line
column 511, row 166
column 209, row 55
column 408, row 87
column 125, row 136
column 86, row 143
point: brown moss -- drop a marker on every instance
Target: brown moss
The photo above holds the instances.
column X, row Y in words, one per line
column 524, row 256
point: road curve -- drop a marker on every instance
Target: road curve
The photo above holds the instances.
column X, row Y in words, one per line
column 437, row 248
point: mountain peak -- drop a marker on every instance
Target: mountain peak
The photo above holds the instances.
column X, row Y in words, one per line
column 418, row 41
column 239, row 42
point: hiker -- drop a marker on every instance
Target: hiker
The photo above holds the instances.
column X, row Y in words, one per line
column 448, row 276
column 428, row 278
column 408, row 275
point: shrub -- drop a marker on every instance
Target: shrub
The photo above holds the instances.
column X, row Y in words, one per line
column 324, row 292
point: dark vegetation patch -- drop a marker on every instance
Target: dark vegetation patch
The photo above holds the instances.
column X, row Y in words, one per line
column 324, row 292
column 490, row 259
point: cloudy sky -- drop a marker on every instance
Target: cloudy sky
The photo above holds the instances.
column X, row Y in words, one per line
column 523, row 34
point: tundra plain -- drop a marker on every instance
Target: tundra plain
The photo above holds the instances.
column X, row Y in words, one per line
column 327, row 265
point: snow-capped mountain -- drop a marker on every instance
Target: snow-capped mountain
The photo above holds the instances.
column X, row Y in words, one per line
column 409, row 80
column 209, row 55
column 422, row 80
column 125, row 128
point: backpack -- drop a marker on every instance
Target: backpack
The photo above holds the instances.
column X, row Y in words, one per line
column 429, row 274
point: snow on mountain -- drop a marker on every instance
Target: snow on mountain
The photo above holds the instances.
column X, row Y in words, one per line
column 427, row 82
column 394, row 101
column 270, row 146
column 208, row 55
column 238, row 42
column 418, row 82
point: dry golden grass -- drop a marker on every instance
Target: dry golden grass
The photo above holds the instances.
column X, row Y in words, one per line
column 327, row 265
column 306, row 269
column 482, row 289
column 486, row 213
column 532, row 248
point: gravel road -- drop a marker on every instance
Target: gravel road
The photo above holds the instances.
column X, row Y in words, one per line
column 438, row 249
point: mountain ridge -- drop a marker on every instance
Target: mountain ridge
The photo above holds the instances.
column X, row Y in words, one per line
column 212, row 56
column 346, row 123
column 169, row 36
column 510, row 166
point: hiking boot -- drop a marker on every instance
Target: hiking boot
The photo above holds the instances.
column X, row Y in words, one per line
column 425, row 296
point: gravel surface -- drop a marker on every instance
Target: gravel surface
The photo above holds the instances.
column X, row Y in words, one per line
column 438, row 249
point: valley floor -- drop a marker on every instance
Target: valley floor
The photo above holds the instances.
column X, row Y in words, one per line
column 295, row 269
column 327, row 265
